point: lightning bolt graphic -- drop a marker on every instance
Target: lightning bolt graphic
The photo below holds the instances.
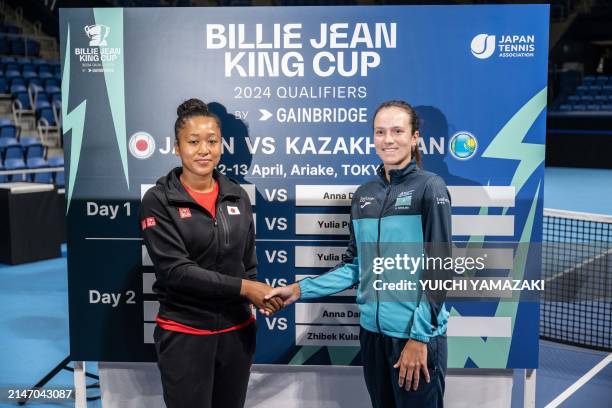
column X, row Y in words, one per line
column 114, row 79
column 494, row 352
column 508, row 144
column 72, row 121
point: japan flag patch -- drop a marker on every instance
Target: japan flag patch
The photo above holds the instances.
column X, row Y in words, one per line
column 184, row 212
column 231, row 210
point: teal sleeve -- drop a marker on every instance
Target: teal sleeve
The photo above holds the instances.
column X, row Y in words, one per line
column 438, row 243
column 422, row 330
column 331, row 282
column 341, row 277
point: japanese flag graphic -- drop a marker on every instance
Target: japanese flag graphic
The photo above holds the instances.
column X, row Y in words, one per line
column 231, row 210
column 142, row 145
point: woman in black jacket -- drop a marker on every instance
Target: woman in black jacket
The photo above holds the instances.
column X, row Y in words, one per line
column 198, row 228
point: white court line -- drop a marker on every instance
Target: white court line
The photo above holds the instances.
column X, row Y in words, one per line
column 583, row 380
column 580, row 265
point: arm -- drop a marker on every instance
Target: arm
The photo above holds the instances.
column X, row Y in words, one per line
column 251, row 288
column 437, row 235
column 249, row 260
column 342, row 276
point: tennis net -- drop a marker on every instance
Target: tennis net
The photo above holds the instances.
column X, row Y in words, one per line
column 577, row 269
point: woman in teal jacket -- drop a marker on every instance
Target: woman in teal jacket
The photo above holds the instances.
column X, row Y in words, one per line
column 403, row 337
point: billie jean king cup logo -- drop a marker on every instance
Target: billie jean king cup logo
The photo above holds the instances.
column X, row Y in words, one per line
column 97, row 34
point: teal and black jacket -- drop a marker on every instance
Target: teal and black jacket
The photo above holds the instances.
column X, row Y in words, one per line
column 413, row 208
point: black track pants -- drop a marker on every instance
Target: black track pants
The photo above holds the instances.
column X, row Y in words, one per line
column 205, row 371
column 380, row 353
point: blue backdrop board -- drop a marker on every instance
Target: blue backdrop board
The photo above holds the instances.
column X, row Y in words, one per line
column 296, row 89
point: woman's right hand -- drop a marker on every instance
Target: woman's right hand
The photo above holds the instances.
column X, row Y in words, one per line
column 289, row 294
column 256, row 293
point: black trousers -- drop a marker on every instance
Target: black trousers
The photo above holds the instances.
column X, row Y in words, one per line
column 380, row 353
column 205, row 371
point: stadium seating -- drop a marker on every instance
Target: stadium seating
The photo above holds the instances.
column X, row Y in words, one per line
column 11, row 149
column 38, row 96
column 21, row 102
column 11, row 72
column 11, row 65
column 11, row 29
column 4, row 45
column 17, row 46
column 45, row 71
column 8, row 129
column 594, row 94
column 47, row 123
column 35, row 81
column 51, row 82
column 4, row 85
column 32, row 148
column 58, row 178
column 33, row 85
column 39, row 163
column 32, row 47
column 28, row 68
column 54, row 92
column 15, row 164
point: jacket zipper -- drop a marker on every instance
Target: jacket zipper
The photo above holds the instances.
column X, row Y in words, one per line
column 224, row 225
column 382, row 210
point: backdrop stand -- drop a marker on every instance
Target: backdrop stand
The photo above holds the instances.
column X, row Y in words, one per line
column 64, row 365
column 80, row 387
column 529, row 393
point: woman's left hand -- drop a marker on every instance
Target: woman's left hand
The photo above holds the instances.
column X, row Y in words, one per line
column 412, row 361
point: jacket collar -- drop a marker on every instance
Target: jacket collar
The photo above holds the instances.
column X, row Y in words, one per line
column 176, row 193
column 397, row 175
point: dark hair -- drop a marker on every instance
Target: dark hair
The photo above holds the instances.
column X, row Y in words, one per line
column 414, row 123
column 189, row 109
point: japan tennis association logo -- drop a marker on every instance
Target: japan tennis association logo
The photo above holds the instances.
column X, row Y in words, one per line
column 142, row 145
column 97, row 34
column 184, row 212
column 463, row 145
column 483, row 46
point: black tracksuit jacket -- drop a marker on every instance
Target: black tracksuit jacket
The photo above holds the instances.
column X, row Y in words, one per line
column 199, row 260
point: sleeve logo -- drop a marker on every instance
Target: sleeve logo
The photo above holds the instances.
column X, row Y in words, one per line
column 147, row 223
column 231, row 210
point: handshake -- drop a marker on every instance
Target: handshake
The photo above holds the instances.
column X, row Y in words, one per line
column 269, row 300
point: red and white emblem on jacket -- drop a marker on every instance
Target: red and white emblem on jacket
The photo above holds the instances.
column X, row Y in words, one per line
column 147, row 222
column 184, row 212
column 231, row 210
